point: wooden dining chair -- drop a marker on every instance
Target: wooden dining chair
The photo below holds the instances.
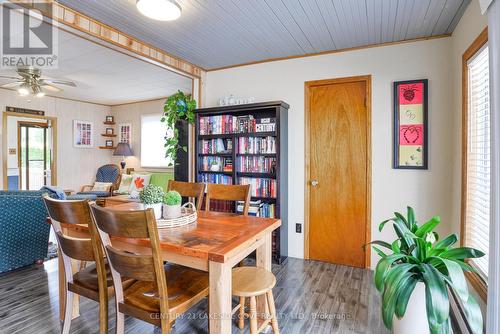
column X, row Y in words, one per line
column 93, row 281
column 161, row 293
column 189, row 189
column 228, row 193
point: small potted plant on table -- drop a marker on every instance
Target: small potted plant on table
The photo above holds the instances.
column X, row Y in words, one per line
column 415, row 274
column 172, row 205
column 151, row 197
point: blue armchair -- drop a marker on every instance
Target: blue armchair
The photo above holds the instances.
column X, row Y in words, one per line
column 107, row 173
column 24, row 236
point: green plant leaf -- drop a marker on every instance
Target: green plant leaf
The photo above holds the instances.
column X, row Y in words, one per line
column 446, row 242
column 428, row 227
column 457, row 278
column 403, row 219
column 404, row 296
column 379, row 251
column 396, row 278
column 383, row 267
column 395, row 246
column 436, row 297
column 462, row 253
column 473, row 315
column 380, row 243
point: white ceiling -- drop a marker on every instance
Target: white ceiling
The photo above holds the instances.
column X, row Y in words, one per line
column 217, row 33
column 106, row 76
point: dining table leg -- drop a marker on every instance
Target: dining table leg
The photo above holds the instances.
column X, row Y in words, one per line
column 220, row 298
column 264, row 260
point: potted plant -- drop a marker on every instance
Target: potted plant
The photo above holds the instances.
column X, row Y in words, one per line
column 178, row 108
column 172, row 205
column 420, row 268
column 151, row 196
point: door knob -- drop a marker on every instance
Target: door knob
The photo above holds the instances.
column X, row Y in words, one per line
column 314, row 183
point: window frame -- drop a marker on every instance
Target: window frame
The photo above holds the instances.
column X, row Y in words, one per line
column 168, row 168
column 477, row 281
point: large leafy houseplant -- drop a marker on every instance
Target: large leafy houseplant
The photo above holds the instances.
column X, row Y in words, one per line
column 178, row 107
column 418, row 256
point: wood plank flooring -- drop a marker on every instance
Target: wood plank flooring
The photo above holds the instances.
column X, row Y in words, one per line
column 311, row 297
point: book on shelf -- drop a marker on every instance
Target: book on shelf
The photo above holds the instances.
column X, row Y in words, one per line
column 225, row 164
column 221, row 206
column 257, row 145
column 260, row 187
column 215, row 178
column 215, row 146
column 256, row 164
column 227, row 124
column 258, row 209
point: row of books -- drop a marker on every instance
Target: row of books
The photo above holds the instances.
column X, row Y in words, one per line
column 226, row 124
column 257, row 145
column 221, row 206
column 215, row 146
column 215, row 178
column 258, row 209
column 260, row 187
column 223, row 164
column 256, row 164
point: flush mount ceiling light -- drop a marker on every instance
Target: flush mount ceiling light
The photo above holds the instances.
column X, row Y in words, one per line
column 161, row 10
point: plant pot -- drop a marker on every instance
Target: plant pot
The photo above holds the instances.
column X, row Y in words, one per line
column 156, row 208
column 171, row 211
column 415, row 319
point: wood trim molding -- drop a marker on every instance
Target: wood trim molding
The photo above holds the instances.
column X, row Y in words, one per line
column 308, row 84
column 356, row 48
column 478, row 43
column 53, row 166
column 86, row 24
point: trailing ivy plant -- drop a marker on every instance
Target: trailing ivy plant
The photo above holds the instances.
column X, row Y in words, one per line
column 177, row 107
column 417, row 255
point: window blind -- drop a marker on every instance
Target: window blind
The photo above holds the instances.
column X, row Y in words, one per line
column 153, row 133
column 477, row 217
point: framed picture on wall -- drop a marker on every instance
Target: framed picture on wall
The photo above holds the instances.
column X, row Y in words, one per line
column 109, row 143
column 109, row 131
column 125, row 133
column 410, row 124
column 83, row 134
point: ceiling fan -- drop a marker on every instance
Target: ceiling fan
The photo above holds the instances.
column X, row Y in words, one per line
column 30, row 81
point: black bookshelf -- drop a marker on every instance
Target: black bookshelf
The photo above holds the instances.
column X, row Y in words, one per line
column 277, row 110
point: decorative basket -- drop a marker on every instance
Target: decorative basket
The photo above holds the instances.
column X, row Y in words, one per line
column 189, row 216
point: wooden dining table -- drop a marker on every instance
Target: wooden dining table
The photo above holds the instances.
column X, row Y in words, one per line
column 215, row 244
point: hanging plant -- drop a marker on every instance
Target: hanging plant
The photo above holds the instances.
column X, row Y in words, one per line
column 178, row 107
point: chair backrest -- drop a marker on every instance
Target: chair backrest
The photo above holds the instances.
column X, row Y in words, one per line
column 139, row 224
column 228, row 193
column 189, row 189
column 109, row 173
column 65, row 216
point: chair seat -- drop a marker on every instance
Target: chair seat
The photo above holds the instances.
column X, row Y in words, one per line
column 79, row 197
column 86, row 279
column 252, row 281
column 95, row 193
column 185, row 286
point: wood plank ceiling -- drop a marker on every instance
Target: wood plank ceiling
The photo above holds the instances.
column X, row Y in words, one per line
column 220, row 33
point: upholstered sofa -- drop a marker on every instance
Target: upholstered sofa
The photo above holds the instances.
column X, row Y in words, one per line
column 24, row 232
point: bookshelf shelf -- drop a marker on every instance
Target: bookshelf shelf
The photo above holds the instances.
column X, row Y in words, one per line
column 244, row 153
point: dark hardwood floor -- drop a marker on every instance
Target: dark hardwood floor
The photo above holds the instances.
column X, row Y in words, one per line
column 311, row 297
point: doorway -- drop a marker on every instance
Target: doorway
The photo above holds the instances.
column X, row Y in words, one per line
column 29, row 147
column 338, row 168
column 34, row 155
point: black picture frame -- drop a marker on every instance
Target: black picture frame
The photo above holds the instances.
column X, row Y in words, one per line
column 110, row 131
column 110, row 119
column 397, row 126
column 109, row 143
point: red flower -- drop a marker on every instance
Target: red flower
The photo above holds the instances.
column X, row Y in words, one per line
column 139, row 182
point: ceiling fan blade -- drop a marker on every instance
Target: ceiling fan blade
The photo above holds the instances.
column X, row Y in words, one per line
column 50, row 87
column 10, row 77
column 57, row 82
column 12, row 84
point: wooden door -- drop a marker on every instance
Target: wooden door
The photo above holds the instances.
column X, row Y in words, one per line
column 338, row 170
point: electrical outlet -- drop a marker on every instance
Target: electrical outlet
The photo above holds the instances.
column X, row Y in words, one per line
column 298, row 227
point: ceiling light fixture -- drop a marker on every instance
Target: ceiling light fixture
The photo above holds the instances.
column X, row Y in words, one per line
column 38, row 92
column 161, row 10
column 24, row 90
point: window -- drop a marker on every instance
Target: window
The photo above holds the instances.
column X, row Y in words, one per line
column 152, row 141
column 476, row 154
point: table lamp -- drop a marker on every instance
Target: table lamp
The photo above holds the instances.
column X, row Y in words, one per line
column 124, row 150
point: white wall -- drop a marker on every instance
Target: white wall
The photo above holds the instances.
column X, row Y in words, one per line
column 131, row 113
column 75, row 166
column 427, row 191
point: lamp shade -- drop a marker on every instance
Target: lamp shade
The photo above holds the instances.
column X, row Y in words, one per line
column 123, row 149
